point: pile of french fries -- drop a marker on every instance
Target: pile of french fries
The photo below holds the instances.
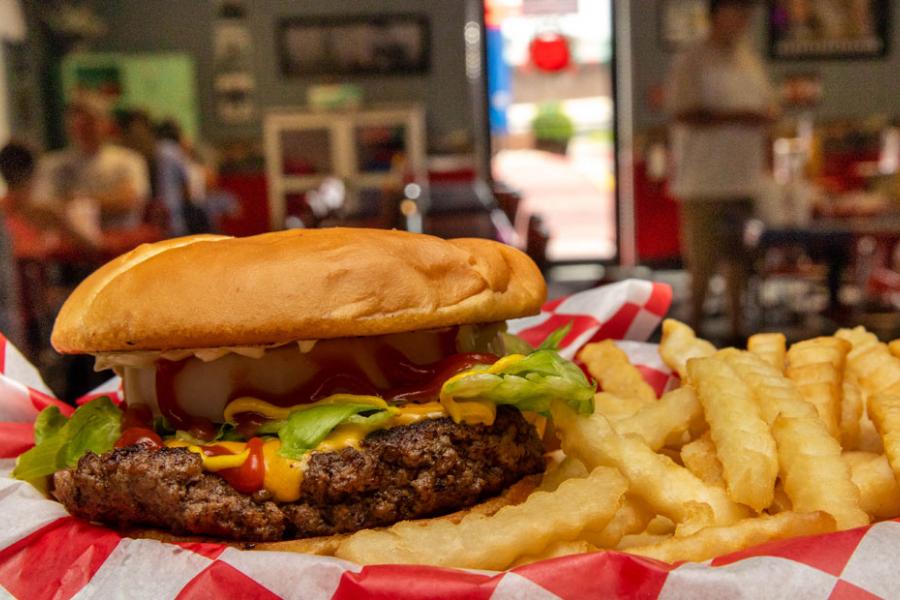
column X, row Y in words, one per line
column 755, row 445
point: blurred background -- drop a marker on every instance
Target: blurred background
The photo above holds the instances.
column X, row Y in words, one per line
column 747, row 153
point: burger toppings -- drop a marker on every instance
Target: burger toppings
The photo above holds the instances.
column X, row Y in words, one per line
column 60, row 442
column 258, row 435
column 302, row 383
column 139, row 436
column 418, row 470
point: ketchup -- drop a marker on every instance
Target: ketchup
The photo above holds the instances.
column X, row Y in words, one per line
column 398, row 369
column 198, row 427
column 407, row 381
column 250, row 476
column 139, row 436
column 137, row 415
column 442, row 371
column 332, row 377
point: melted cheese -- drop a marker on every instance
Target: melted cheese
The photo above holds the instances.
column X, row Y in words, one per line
column 248, row 404
column 216, row 463
column 475, row 411
column 344, row 436
column 283, row 476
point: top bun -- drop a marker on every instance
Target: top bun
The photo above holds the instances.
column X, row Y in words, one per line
column 209, row 291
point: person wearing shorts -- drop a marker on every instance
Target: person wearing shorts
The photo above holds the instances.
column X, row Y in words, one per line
column 721, row 104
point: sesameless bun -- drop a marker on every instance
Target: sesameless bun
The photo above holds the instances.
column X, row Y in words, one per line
column 210, row 291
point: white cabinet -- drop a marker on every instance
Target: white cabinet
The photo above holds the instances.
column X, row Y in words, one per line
column 369, row 150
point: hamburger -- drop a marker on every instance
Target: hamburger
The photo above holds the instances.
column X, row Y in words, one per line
column 302, row 384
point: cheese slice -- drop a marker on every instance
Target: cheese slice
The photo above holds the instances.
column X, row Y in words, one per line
column 248, row 404
column 475, row 411
column 283, row 476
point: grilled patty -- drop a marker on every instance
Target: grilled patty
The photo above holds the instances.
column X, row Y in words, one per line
column 427, row 468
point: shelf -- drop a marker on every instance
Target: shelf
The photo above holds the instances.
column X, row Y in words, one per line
column 301, row 183
column 342, row 145
column 376, row 180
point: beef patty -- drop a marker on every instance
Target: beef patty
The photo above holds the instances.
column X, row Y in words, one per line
column 427, row 468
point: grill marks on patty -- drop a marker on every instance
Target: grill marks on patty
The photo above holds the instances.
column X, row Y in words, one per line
column 427, row 468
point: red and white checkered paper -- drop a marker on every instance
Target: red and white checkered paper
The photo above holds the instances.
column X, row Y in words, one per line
column 45, row 553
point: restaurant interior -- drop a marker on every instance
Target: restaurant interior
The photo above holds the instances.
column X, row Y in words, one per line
column 544, row 124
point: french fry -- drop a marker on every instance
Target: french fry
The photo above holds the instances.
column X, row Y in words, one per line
column 673, row 454
column 894, row 347
column 814, row 475
column 811, row 469
column 660, row 525
column 744, row 445
column 816, row 366
column 679, row 344
column 715, row 541
column 556, row 550
column 884, row 410
column 781, row 502
column 829, row 349
column 640, row 540
column 820, row 384
column 669, row 489
column 616, row 408
column 869, row 439
column 878, row 489
column 699, row 457
column 877, row 370
column 770, row 347
column 615, row 373
column 665, row 421
column 495, row 542
column 568, row 468
column 632, row 517
column 851, row 411
column 775, row 393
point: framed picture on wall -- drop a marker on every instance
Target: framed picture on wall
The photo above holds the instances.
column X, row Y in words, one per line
column 823, row 29
column 682, row 23
column 354, row 45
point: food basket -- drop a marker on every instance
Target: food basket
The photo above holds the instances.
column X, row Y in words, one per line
column 45, row 553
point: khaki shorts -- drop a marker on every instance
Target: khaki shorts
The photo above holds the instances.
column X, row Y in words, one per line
column 713, row 231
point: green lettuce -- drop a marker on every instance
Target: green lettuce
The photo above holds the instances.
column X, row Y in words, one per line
column 513, row 344
column 48, row 423
column 529, row 384
column 305, row 429
column 60, row 442
column 553, row 341
column 492, row 338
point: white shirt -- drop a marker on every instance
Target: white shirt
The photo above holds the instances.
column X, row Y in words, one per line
column 68, row 174
column 718, row 161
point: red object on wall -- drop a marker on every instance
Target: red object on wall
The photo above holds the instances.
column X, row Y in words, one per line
column 550, row 52
column 252, row 194
column 657, row 223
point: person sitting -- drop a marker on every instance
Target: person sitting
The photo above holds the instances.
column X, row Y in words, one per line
column 176, row 183
column 36, row 239
column 38, row 231
column 113, row 177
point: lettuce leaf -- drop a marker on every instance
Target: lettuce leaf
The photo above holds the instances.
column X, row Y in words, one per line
column 529, row 384
column 513, row 344
column 48, row 423
column 552, row 341
column 305, row 429
column 94, row 427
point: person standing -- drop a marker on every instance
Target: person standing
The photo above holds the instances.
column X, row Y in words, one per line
column 721, row 104
column 114, row 178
